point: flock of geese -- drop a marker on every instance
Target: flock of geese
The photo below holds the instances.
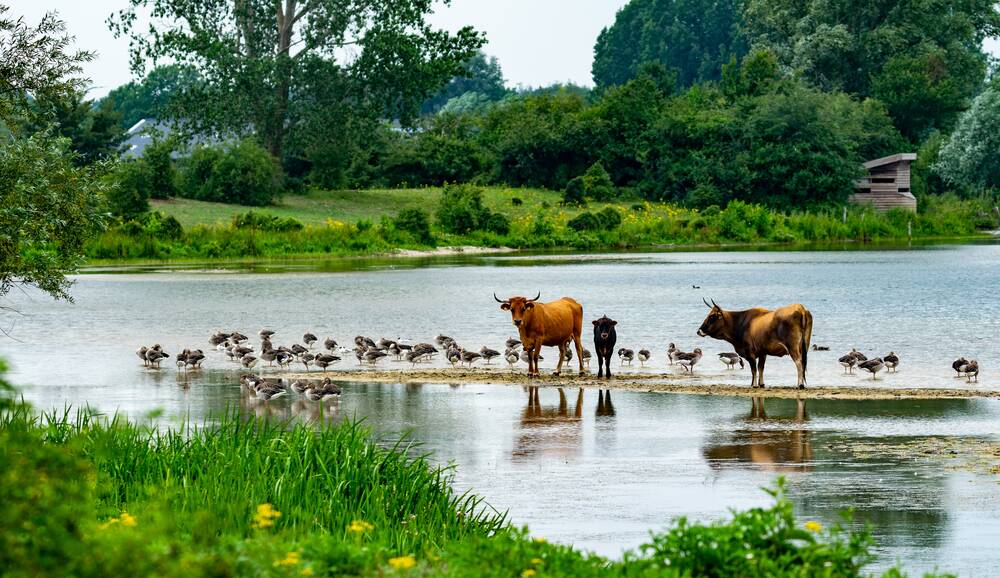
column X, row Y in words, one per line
column 367, row 351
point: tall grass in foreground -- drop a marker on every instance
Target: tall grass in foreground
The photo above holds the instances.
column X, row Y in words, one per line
column 88, row 496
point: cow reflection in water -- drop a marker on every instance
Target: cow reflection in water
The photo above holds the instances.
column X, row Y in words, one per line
column 604, row 406
column 550, row 432
column 784, row 449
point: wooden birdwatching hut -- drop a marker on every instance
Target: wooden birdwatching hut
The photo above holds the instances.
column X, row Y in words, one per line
column 887, row 184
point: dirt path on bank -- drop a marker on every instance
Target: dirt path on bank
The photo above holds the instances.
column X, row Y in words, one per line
column 649, row 382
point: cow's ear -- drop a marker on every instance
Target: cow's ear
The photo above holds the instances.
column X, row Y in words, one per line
column 505, row 306
column 614, row 323
column 596, row 322
column 529, row 305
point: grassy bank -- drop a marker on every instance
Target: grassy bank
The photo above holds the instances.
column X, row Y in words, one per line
column 85, row 496
column 349, row 223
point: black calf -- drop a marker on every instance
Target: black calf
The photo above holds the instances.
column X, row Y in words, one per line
column 604, row 344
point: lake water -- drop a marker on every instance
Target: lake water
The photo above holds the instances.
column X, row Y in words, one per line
column 597, row 477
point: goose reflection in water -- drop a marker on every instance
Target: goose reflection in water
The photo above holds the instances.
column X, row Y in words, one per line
column 786, row 448
column 549, row 432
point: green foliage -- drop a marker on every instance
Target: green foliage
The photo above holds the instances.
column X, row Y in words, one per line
column 128, row 196
column 159, row 174
column 284, row 82
column 597, row 184
column 480, row 77
column 971, row 157
column 263, row 222
column 924, row 61
column 417, row 223
column 150, row 97
column 49, row 208
column 461, row 211
column 585, row 221
column 693, row 37
column 574, row 195
column 610, row 218
column 240, row 173
column 94, row 131
column 442, row 153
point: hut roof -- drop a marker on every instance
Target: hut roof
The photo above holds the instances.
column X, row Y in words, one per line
column 890, row 159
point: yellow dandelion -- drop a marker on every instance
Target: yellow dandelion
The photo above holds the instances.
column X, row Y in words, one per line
column 528, row 573
column 127, row 519
column 403, row 562
column 813, row 526
column 290, row 559
column 539, row 539
column 307, row 571
column 360, row 527
column 265, row 516
column 536, row 561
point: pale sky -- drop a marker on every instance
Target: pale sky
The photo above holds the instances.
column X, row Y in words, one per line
column 537, row 42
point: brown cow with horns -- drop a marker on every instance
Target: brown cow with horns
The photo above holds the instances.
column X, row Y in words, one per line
column 756, row 333
column 551, row 324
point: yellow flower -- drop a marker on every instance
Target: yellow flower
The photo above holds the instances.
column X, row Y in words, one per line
column 403, row 562
column 360, row 527
column 540, row 540
column 290, row 559
column 536, row 561
column 528, row 573
column 127, row 519
column 307, row 571
column 265, row 516
column 813, row 526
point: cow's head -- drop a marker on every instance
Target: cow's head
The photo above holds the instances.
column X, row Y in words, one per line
column 518, row 307
column 604, row 326
column 715, row 324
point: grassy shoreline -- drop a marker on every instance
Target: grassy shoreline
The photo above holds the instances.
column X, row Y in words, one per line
column 318, row 225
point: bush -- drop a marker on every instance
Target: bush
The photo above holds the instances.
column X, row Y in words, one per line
column 574, row 195
column 128, row 197
column 461, row 211
column 160, row 175
column 265, row 222
column 516, row 201
column 585, row 221
column 597, row 183
column 240, row 173
column 610, row 218
column 415, row 222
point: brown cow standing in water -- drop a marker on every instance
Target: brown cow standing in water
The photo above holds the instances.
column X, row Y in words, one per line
column 551, row 324
column 756, row 333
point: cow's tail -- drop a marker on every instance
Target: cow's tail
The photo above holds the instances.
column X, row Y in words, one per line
column 807, row 330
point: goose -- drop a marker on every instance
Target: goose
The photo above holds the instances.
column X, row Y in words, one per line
column 284, row 359
column 306, row 359
column 425, row 348
column 488, row 354
column 442, row 339
column 237, row 337
column 524, row 357
column 453, row 356
column 373, row 355
column 298, row 350
column 330, row 344
column 217, row 338
column 249, row 382
column 241, row 351
column 395, row 351
column 858, row 355
column 512, row 343
column 299, row 386
column 470, row 357
column 971, row 370
column 269, row 355
column 820, row 347
column 586, row 356
column 872, row 366
column 366, row 342
column 309, row 339
column 268, row 390
column 625, row 355
column 511, row 357
column 959, row 364
column 324, row 360
column 891, row 361
column 323, row 391
column 265, row 333
column 731, row 358
column 689, row 360
column 182, row 359
column 195, row 358
column 415, row 357
column 224, row 346
column 155, row 355
column 643, row 357
column 141, row 352
column 673, row 353
column 248, row 361
column 384, row 343
column 848, row 361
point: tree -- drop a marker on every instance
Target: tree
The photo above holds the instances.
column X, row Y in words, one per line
column 94, row 130
column 481, row 75
column 971, row 157
column 150, row 97
column 922, row 58
column 693, row 37
column 278, row 70
column 49, row 207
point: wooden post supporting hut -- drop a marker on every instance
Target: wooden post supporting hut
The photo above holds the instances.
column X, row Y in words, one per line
column 887, row 184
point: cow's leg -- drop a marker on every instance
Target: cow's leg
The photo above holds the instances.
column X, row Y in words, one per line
column 600, row 362
column 579, row 349
column 535, row 354
column 799, row 369
column 562, row 356
column 607, row 365
column 753, row 371
column 760, row 371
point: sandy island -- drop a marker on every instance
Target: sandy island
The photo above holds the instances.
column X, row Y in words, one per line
column 648, row 382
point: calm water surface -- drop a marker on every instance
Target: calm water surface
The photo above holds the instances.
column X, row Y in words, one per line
column 595, row 475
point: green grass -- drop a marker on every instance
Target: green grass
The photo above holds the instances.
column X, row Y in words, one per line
column 315, row 207
column 88, row 496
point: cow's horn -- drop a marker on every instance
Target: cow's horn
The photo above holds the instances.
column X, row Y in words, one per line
column 497, row 298
column 706, row 303
column 714, row 305
column 536, row 297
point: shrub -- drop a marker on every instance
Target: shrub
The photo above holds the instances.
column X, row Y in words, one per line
column 265, row 222
column 585, row 221
column 163, row 226
column 240, row 173
column 415, row 222
column 160, row 175
column 196, row 173
column 461, row 211
column 574, row 195
column 597, row 183
column 496, row 223
column 610, row 218
column 128, row 197
column 516, row 201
